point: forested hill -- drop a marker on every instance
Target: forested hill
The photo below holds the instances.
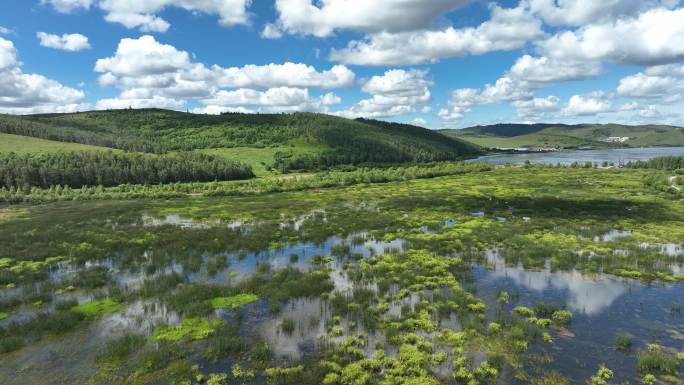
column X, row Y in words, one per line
column 299, row 141
column 569, row 136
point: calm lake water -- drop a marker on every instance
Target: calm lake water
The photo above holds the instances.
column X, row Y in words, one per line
column 595, row 156
column 602, row 306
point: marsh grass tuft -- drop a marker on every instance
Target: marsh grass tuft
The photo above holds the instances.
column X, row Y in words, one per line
column 121, row 348
column 623, row 342
column 190, row 329
column 233, row 302
column 97, row 308
column 288, row 326
column 654, row 360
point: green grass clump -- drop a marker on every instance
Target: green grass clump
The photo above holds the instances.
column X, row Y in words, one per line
column 623, row 341
column 121, row 348
column 2, row 316
column 234, row 302
column 225, row 340
column 10, row 344
column 545, row 310
column 190, row 329
column 562, row 317
column 523, row 311
column 602, row 376
column 288, row 326
column 99, row 308
column 654, row 360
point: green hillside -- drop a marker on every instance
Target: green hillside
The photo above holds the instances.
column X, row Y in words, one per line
column 568, row 136
column 287, row 142
column 26, row 145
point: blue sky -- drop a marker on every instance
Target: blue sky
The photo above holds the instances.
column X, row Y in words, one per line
column 437, row 63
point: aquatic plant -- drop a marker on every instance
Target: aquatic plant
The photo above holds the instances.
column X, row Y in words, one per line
column 602, row 377
column 225, row 340
column 552, row 378
column 655, row 360
column 523, row 311
column 503, row 297
column 623, row 341
column 287, row 326
column 285, row 376
column 120, row 348
column 545, row 310
column 53, row 323
column 189, row 329
column 66, row 304
column 649, row 379
column 233, row 302
column 196, row 300
column 97, row 308
column 562, row 317
column 494, row 328
column 11, row 343
column 218, row 379
column 241, row 374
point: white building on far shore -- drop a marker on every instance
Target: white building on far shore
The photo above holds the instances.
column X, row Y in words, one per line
column 616, row 139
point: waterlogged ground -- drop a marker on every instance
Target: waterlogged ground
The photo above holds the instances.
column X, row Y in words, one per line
column 515, row 275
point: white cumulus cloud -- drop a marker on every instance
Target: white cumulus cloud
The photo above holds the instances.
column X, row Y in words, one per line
column 396, row 92
column 641, row 85
column 271, row 31
column 144, row 69
column 545, row 70
column 579, row 105
column 143, row 14
column 68, row 6
column 582, row 12
column 322, row 18
column 652, row 37
column 507, row 29
column 22, row 92
column 67, row 42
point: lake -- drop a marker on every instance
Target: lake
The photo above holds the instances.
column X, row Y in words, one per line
column 582, row 156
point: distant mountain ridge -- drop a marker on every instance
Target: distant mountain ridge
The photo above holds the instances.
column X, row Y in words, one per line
column 569, row 136
column 299, row 141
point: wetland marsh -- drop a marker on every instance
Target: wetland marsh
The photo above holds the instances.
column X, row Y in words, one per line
column 512, row 275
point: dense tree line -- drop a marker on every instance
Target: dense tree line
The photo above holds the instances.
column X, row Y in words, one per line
column 240, row 188
column 660, row 163
column 108, row 168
